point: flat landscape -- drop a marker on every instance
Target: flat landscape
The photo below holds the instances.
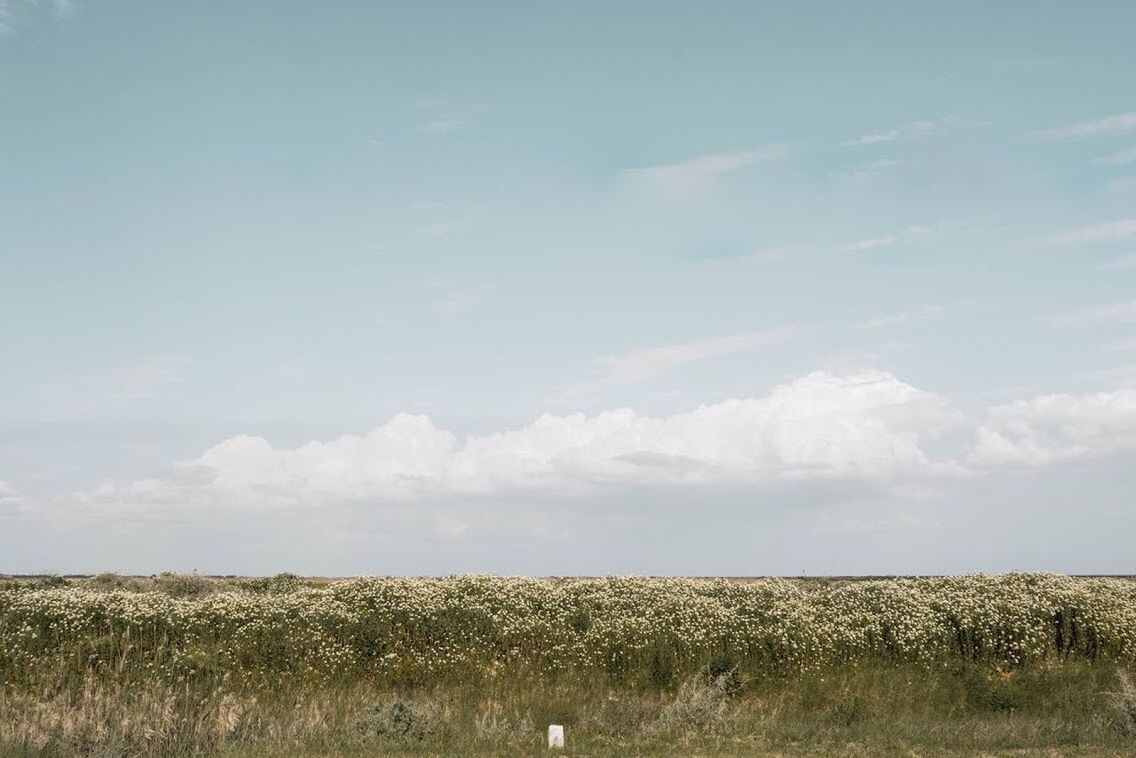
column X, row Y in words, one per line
column 182, row 664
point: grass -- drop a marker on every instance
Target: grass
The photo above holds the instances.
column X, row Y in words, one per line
column 1043, row 668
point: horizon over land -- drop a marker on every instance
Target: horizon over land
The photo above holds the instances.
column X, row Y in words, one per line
column 706, row 290
column 678, row 378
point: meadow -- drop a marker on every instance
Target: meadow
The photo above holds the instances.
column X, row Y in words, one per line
column 185, row 664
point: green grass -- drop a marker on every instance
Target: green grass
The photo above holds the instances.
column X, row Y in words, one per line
column 180, row 666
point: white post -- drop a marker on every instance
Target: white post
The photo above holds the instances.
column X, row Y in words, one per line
column 555, row 735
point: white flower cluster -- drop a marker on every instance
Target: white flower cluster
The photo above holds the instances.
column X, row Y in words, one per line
column 416, row 630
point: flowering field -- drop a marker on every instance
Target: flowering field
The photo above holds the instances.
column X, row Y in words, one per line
column 186, row 665
column 641, row 631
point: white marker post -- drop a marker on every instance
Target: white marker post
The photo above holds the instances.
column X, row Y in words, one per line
column 555, row 735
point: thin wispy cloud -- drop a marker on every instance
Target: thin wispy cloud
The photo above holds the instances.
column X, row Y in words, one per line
column 143, row 379
column 1121, row 123
column 446, row 118
column 648, row 363
column 767, row 255
column 1109, row 231
column 888, row 240
column 1119, row 158
column 1121, row 263
column 11, row 11
column 642, row 364
column 922, row 311
column 871, row 168
column 1121, row 312
column 1122, row 345
column 696, row 173
column 913, row 130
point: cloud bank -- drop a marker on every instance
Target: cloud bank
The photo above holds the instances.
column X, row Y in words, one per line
column 866, row 426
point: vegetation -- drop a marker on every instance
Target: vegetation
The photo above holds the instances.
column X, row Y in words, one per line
column 181, row 664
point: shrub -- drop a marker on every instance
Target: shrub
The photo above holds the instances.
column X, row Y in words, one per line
column 701, row 707
column 402, row 721
column 185, row 586
column 1122, row 705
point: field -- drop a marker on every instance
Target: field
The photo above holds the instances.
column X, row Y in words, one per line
column 184, row 664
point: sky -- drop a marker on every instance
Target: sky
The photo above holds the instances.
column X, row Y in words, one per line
column 713, row 288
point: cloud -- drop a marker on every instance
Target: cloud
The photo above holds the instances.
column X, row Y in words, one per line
column 1057, row 428
column 871, row 168
column 447, row 118
column 899, row 318
column 10, row 500
column 1122, row 345
column 1121, row 158
column 1121, row 123
column 647, row 363
column 859, row 425
column 888, row 240
column 913, row 130
column 10, row 10
column 1109, row 231
column 642, row 364
column 1117, row 264
column 1113, row 312
column 148, row 378
column 696, row 173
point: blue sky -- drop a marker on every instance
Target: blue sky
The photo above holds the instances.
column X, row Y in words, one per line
column 737, row 288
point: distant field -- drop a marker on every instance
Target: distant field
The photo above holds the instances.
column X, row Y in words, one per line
column 183, row 664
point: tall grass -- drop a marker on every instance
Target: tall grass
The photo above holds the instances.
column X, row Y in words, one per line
column 183, row 663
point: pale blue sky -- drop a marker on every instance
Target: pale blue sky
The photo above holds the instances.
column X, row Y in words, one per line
column 901, row 235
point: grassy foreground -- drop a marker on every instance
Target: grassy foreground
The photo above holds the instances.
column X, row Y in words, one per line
column 180, row 665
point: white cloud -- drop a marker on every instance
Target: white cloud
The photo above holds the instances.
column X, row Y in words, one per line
column 868, row 243
column 447, row 118
column 11, row 9
column 642, row 364
column 1055, row 428
column 871, row 168
column 861, row 425
column 909, row 234
column 767, row 255
column 1117, row 264
column 929, row 309
column 1122, row 345
column 696, row 173
column 1121, row 123
column 10, row 500
column 914, row 129
column 891, row 135
column 1113, row 312
column 151, row 377
column 1110, row 231
column 646, row 363
column 1121, row 158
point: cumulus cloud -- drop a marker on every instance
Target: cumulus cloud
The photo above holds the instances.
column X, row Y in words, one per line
column 861, row 425
column 1055, row 428
column 1121, row 123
